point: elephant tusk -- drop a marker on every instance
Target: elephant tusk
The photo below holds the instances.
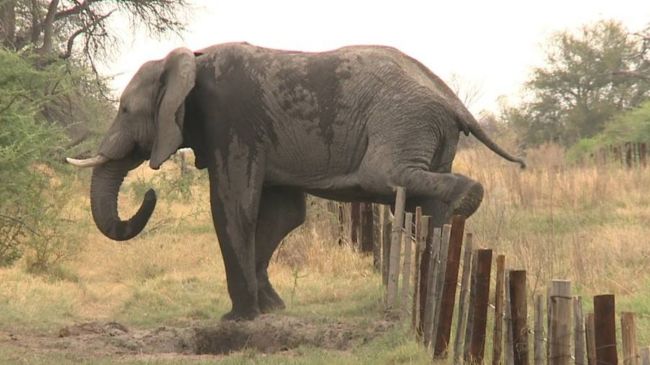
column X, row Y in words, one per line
column 88, row 162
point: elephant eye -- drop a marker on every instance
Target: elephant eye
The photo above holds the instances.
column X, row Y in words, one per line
column 124, row 109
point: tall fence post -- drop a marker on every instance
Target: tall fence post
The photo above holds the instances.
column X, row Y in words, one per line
column 463, row 298
column 497, row 334
column 645, row 356
column 419, row 247
column 429, row 308
column 376, row 237
column 406, row 269
column 507, row 320
column 396, row 235
column 539, row 348
column 628, row 334
column 605, row 329
column 470, row 306
column 423, row 289
column 479, row 313
column 579, row 331
column 386, row 227
column 439, row 285
column 560, row 330
column 519, row 313
column 446, row 311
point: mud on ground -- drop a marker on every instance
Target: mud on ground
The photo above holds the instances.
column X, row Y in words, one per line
column 268, row 334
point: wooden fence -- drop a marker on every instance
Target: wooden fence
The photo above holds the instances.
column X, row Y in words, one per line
column 422, row 266
column 630, row 154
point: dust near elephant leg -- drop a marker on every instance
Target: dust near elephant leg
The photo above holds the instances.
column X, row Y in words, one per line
column 281, row 210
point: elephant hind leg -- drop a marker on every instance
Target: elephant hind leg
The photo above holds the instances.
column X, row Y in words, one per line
column 462, row 195
column 281, row 210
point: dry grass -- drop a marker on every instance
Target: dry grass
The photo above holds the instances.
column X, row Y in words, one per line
column 588, row 224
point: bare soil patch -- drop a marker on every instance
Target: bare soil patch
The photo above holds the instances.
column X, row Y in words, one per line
column 268, row 334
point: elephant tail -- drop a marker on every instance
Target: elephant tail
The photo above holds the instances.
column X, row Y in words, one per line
column 469, row 124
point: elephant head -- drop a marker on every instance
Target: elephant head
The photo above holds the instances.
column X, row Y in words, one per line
column 148, row 125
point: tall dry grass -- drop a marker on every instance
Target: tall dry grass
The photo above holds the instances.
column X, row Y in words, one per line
column 589, row 224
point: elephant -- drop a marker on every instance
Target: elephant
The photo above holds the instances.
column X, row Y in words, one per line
column 271, row 126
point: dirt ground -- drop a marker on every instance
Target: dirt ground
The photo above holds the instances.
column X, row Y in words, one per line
column 268, row 334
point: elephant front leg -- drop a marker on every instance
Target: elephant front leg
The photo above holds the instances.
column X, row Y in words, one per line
column 234, row 198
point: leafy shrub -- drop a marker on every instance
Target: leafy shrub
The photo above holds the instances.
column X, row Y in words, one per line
column 30, row 160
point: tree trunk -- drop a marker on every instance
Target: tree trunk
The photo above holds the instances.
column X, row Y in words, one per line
column 8, row 23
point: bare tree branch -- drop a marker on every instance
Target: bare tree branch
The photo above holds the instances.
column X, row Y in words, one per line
column 83, row 30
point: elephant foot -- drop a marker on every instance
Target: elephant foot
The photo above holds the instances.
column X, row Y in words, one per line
column 468, row 201
column 269, row 300
column 240, row 315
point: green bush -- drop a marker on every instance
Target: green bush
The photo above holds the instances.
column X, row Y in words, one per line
column 30, row 159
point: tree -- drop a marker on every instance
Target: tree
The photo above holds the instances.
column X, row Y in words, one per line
column 62, row 26
column 587, row 79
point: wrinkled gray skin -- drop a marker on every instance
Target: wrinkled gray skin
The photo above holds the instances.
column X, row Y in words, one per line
column 270, row 126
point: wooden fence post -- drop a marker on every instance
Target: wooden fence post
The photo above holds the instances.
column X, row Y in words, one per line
column 385, row 243
column 645, row 356
column 355, row 220
column 376, row 237
column 396, row 235
column 590, row 338
column 406, row 269
column 507, row 320
column 628, row 334
column 429, row 308
column 470, row 306
column 446, row 310
column 479, row 313
column 539, row 348
column 579, row 331
column 560, row 330
column 439, row 284
column 519, row 313
column 463, row 298
column 605, row 329
column 497, row 334
column 419, row 247
column 427, row 231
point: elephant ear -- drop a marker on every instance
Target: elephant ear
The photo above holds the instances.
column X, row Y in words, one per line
column 176, row 81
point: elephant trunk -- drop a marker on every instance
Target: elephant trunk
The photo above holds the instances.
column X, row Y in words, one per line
column 105, row 186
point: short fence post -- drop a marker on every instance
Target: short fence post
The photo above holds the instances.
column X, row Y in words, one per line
column 385, row 243
column 419, row 247
column 645, row 356
column 448, row 290
column 628, row 334
column 396, row 235
column 519, row 313
column 429, row 307
column 497, row 334
column 560, row 330
column 590, row 338
column 406, row 269
column 463, row 299
column 579, row 331
column 605, row 329
column 538, row 347
column 479, row 313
